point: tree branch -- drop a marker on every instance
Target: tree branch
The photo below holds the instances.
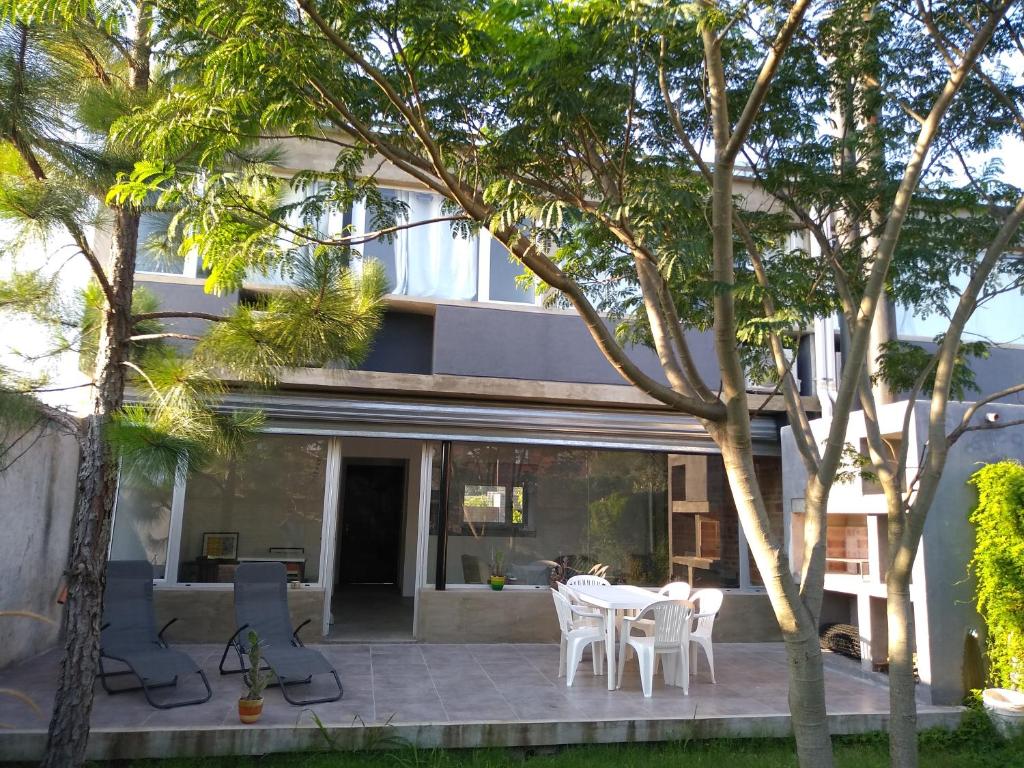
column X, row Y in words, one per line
column 138, row 318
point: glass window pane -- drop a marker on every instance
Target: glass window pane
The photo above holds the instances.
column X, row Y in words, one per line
column 157, row 252
column 380, row 249
column 768, row 470
column 504, row 271
column 705, row 528
column 266, row 504
column 550, row 512
column 142, row 519
column 428, row 260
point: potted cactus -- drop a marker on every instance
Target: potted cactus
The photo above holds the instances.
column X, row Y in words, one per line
column 250, row 706
column 497, row 570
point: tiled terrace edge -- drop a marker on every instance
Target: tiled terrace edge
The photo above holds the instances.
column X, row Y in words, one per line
column 129, row 743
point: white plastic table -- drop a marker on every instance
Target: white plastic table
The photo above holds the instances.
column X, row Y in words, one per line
column 618, row 597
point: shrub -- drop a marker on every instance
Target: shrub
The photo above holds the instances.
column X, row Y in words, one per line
column 998, row 565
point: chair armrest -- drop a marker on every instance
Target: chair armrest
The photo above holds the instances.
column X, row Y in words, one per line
column 704, row 615
column 295, row 634
column 237, row 633
column 160, row 634
column 583, row 613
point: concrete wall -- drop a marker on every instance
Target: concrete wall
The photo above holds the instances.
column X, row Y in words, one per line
column 208, row 615
column 37, row 499
column 948, row 544
column 942, row 592
column 528, row 616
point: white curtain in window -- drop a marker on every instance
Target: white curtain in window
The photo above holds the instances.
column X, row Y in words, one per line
column 430, row 260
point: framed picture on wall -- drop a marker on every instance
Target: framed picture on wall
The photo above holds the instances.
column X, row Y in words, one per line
column 220, row 545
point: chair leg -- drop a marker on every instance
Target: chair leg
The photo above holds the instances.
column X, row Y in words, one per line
column 561, row 657
column 175, row 704
column 669, row 668
column 623, row 646
column 597, row 656
column 645, row 658
column 575, row 655
column 306, row 702
column 709, row 654
column 683, row 669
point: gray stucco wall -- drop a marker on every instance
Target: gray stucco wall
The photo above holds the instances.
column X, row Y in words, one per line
column 481, row 341
column 187, row 297
column 948, row 544
column 37, row 498
column 1003, row 368
column 404, row 344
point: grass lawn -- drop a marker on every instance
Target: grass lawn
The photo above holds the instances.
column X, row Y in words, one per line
column 974, row 745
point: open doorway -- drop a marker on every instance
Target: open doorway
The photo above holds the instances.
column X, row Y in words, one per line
column 367, row 602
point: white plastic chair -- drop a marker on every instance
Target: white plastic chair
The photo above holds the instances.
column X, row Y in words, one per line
column 671, row 638
column 675, row 590
column 588, row 580
column 577, row 633
column 709, row 603
column 584, row 613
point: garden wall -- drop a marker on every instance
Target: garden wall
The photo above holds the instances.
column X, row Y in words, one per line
column 37, row 498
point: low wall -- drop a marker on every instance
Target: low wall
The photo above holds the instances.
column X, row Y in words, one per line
column 208, row 615
column 528, row 616
column 37, row 500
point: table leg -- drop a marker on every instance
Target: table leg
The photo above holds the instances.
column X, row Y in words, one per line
column 609, row 647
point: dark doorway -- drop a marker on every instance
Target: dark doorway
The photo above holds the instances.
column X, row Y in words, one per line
column 371, row 523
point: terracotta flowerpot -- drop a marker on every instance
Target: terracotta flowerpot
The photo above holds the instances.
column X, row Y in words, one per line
column 249, row 710
column 497, row 583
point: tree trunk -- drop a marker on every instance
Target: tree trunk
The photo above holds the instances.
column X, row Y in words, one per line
column 902, row 701
column 798, row 624
column 807, row 699
column 90, row 528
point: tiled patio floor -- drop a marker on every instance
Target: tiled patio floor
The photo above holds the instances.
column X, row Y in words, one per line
column 458, row 695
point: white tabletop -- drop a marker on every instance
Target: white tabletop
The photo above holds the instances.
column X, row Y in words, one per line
column 618, row 597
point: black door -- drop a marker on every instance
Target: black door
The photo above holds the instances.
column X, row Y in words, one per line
column 371, row 524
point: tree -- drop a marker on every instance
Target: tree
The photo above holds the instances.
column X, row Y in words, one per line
column 67, row 73
column 601, row 143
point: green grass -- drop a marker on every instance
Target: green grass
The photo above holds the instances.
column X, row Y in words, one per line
column 972, row 746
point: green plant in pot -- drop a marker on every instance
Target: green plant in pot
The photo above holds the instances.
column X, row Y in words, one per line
column 497, row 570
column 250, row 706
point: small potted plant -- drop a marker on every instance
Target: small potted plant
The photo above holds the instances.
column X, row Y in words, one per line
column 250, row 706
column 497, row 570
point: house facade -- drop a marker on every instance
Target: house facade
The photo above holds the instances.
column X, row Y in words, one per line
column 483, row 430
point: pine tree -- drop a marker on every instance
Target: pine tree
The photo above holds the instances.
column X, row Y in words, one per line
column 67, row 74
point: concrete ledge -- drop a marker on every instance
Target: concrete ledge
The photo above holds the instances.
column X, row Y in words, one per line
column 208, row 615
column 106, row 744
column 528, row 616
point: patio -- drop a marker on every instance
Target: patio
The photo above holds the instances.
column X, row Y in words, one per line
column 456, row 696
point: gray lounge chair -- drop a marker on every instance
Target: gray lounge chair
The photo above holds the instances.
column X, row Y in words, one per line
column 129, row 636
column 261, row 605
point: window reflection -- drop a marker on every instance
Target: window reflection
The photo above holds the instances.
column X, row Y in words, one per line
column 552, row 512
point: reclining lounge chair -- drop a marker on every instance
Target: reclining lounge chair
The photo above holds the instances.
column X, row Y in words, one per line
column 129, row 636
column 261, row 606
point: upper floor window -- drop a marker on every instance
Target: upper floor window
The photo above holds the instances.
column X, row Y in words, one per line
column 432, row 261
column 996, row 320
column 428, row 260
